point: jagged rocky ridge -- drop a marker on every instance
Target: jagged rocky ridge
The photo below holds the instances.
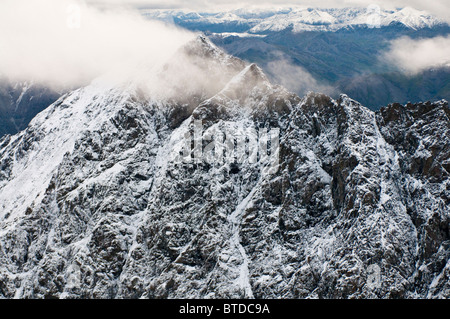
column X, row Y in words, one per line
column 94, row 205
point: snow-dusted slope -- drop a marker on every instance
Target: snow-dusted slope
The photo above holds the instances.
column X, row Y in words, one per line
column 96, row 203
column 299, row 19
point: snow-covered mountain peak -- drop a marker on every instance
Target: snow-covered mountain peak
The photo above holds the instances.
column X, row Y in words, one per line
column 248, row 79
column 94, row 202
column 55, row 130
column 202, row 46
column 58, row 128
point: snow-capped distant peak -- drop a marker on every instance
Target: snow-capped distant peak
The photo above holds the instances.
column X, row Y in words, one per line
column 414, row 19
column 335, row 19
column 304, row 19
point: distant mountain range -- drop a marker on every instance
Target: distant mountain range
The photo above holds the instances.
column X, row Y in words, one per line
column 328, row 50
column 261, row 21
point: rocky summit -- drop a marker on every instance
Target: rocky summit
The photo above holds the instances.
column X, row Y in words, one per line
column 110, row 193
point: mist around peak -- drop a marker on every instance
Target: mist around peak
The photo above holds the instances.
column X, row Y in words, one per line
column 69, row 43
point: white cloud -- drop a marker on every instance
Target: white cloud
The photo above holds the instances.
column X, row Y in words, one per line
column 71, row 41
column 68, row 42
column 294, row 77
column 415, row 55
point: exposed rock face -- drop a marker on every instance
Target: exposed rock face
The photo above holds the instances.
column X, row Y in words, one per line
column 95, row 204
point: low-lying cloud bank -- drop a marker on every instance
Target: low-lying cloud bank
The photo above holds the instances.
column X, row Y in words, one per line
column 415, row 55
column 66, row 43
column 294, row 77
